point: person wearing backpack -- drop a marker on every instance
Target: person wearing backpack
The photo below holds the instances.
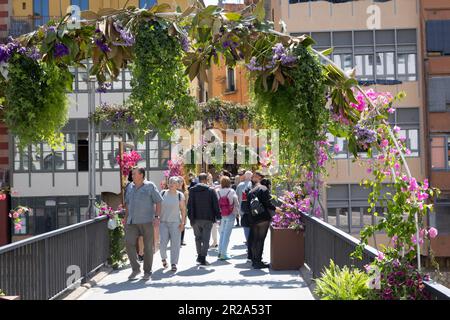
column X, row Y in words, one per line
column 173, row 220
column 261, row 211
column 229, row 208
column 203, row 211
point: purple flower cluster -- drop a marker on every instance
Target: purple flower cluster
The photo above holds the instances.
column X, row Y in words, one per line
column 102, row 45
column 12, row 47
column 103, row 86
column 230, row 44
column 254, row 66
column 61, row 50
column 365, row 136
column 185, row 43
column 280, row 54
column 294, row 203
column 126, row 36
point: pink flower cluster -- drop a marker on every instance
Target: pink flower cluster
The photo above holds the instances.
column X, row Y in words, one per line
column 105, row 210
column 128, row 161
column 175, row 168
column 380, row 99
column 321, row 154
column 17, row 216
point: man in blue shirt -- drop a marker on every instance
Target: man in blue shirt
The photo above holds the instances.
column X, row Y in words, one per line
column 143, row 208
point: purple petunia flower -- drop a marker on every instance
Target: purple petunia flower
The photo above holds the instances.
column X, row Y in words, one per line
column 61, row 50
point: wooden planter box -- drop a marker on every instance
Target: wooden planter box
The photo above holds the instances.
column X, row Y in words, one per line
column 287, row 249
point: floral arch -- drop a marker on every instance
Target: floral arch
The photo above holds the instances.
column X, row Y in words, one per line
column 296, row 89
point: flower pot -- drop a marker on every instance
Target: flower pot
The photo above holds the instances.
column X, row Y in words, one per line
column 287, row 249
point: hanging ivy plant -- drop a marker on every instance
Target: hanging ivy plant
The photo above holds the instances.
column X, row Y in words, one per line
column 160, row 90
column 36, row 105
column 296, row 108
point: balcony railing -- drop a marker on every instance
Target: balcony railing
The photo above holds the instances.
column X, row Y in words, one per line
column 22, row 25
column 324, row 242
column 40, row 267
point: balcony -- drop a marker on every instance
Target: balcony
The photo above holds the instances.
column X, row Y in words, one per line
column 22, row 25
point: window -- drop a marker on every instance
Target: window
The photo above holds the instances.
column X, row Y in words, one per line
column 440, row 152
column 364, row 66
column 83, row 4
column 408, row 120
column 347, row 207
column 231, row 83
column 439, row 94
column 344, row 60
column 441, row 216
column 146, row 3
column 376, row 54
column 406, row 64
column 437, row 36
column 41, row 12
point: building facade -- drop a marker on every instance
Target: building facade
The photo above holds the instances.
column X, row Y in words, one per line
column 435, row 21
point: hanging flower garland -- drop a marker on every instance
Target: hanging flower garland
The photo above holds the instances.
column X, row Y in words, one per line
column 17, row 215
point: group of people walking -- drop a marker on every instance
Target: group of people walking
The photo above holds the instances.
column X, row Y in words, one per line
column 211, row 208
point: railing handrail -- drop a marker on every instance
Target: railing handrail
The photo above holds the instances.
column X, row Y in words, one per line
column 371, row 251
column 435, row 289
column 49, row 234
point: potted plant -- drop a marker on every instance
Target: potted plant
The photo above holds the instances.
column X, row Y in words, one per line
column 287, row 245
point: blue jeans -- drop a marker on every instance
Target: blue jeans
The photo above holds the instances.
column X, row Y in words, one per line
column 226, row 226
column 246, row 233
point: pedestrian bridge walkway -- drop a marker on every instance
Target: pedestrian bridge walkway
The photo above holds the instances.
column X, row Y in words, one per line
column 232, row 279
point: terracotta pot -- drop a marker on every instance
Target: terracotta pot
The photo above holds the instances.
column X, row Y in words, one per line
column 287, row 249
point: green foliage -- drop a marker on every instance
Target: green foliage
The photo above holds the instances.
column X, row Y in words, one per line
column 297, row 108
column 229, row 113
column 36, row 102
column 117, row 245
column 2, row 293
column 338, row 283
column 160, row 91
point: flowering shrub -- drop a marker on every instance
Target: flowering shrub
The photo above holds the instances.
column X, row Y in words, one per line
column 128, row 161
column 293, row 204
column 116, row 235
column 17, row 215
column 396, row 279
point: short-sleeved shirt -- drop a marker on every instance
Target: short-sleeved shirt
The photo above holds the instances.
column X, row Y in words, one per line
column 140, row 202
column 170, row 206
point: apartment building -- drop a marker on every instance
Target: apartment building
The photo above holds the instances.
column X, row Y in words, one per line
column 382, row 40
column 435, row 22
column 54, row 183
column 226, row 83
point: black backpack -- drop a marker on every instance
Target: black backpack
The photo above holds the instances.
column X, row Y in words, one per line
column 256, row 207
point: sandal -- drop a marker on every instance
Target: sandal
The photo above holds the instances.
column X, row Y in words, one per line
column 164, row 262
column 174, row 267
